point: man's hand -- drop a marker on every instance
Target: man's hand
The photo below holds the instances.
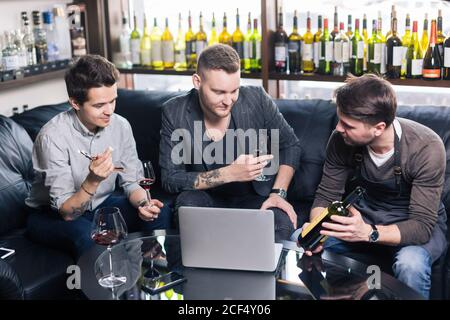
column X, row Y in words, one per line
column 151, row 210
column 247, row 167
column 318, row 249
column 276, row 201
column 351, row 228
column 101, row 167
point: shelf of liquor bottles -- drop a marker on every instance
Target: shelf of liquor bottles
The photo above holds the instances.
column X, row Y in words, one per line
column 32, row 74
column 331, row 78
column 173, row 72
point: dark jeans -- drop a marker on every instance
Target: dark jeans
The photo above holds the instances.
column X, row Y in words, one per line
column 200, row 198
column 48, row 227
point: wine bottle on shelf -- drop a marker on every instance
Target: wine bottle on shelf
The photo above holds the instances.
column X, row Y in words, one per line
column 388, row 34
column 316, row 44
column 325, row 50
column 168, row 50
column 406, row 40
column 135, row 43
column 255, row 52
column 446, row 66
column 281, row 43
column 365, row 36
column 214, row 38
column 224, row 36
column 40, row 38
column 310, row 237
column 248, row 45
column 201, row 40
column 189, row 39
column 357, row 58
column 414, row 56
column 394, row 52
column 383, row 44
column 180, row 48
column 335, row 24
column 146, row 46
column 432, row 62
column 294, row 48
column 125, row 43
column 341, row 53
column 238, row 40
column 156, row 35
column 374, row 50
column 424, row 39
column 307, row 50
column 440, row 38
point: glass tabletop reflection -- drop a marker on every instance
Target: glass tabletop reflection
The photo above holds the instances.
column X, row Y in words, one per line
column 153, row 269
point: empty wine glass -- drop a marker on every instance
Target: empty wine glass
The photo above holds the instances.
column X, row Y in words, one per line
column 108, row 229
column 149, row 177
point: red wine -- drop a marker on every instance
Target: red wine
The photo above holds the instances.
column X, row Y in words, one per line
column 108, row 237
column 146, row 183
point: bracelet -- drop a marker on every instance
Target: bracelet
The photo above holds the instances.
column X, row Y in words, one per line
column 84, row 189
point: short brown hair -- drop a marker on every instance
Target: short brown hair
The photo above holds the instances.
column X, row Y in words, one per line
column 369, row 98
column 219, row 57
column 89, row 71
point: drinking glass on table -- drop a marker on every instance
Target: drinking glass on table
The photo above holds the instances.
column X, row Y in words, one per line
column 108, row 229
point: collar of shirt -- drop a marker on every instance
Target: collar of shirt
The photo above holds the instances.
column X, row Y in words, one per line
column 80, row 127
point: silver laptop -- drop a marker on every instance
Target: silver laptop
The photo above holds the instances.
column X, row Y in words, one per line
column 235, row 239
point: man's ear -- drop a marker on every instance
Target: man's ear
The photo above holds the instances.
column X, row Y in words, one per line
column 379, row 128
column 74, row 104
column 196, row 80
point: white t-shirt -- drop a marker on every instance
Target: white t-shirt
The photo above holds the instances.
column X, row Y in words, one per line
column 380, row 159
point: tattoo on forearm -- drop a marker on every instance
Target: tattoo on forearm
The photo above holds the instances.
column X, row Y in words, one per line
column 210, row 179
column 76, row 211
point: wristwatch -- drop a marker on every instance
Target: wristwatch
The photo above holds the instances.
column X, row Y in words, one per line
column 281, row 192
column 374, row 234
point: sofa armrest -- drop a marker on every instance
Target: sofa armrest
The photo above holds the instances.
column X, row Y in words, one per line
column 10, row 285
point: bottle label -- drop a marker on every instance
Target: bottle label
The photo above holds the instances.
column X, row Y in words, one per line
column 360, row 50
column 345, row 52
column 315, row 222
column 180, row 56
column 316, row 53
column 431, row 73
column 239, row 47
column 256, row 50
column 338, row 52
column 377, row 53
column 294, row 46
column 307, row 52
column 10, row 62
column 200, row 45
column 397, row 56
column 156, row 51
column 247, row 50
column 280, row 52
column 168, row 51
column 328, row 51
column 447, row 57
column 416, row 67
column 383, row 58
column 146, row 58
column 135, row 48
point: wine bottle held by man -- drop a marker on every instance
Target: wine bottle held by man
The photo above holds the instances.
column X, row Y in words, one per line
column 310, row 237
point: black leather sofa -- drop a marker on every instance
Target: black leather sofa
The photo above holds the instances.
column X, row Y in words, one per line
column 37, row 272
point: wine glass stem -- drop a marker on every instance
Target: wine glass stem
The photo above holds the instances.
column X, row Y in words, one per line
column 110, row 261
column 149, row 197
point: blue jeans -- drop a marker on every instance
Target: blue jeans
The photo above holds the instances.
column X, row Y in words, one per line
column 412, row 264
column 48, row 227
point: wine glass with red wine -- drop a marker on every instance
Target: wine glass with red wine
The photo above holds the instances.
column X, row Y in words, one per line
column 108, row 229
column 149, row 178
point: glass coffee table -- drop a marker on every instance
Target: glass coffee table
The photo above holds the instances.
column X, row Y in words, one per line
column 153, row 269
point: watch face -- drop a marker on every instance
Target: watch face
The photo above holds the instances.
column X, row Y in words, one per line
column 374, row 236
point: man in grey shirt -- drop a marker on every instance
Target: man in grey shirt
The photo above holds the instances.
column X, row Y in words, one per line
column 401, row 165
column 69, row 187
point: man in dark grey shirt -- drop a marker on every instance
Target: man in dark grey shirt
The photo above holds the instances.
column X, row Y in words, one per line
column 208, row 142
column 68, row 187
column 401, row 165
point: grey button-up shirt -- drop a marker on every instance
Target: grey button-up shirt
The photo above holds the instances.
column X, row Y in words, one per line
column 60, row 169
